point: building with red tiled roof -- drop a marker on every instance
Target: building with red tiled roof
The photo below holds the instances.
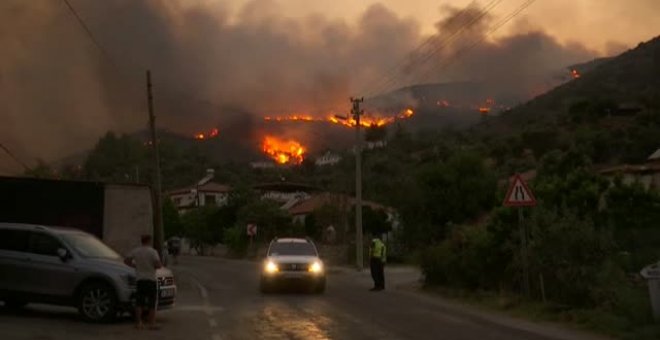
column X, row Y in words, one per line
column 205, row 192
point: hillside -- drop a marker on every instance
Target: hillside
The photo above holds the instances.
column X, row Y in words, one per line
column 612, row 113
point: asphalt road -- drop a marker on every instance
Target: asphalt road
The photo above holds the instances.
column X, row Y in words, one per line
column 219, row 299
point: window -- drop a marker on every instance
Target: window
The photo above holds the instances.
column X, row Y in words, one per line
column 89, row 246
column 14, row 240
column 44, row 244
column 209, row 200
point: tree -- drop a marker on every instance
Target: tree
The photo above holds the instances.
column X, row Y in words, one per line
column 201, row 227
column 172, row 224
column 375, row 133
column 451, row 192
column 41, row 170
column 116, row 159
column 269, row 218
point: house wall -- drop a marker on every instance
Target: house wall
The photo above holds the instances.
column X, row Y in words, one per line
column 284, row 196
column 189, row 199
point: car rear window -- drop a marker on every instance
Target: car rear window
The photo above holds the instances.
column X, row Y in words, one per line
column 292, row 248
column 14, row 240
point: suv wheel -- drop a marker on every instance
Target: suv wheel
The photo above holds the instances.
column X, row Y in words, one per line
column 97, row 302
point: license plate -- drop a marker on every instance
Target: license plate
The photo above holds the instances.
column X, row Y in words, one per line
column 165, row 293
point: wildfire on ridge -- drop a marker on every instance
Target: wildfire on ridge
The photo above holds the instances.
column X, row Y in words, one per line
column 365, row 120
column 443, row 103
column 487, row 106
column 575, row 74
column 211, row 134
column 283, row 151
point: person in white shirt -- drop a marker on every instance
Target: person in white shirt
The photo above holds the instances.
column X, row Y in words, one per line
column 146, row 261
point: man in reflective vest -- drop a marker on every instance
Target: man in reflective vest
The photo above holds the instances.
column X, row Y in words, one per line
column 377, row 263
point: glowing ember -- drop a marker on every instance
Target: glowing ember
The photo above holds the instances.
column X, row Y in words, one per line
column 212, row 134
column 283, row 151
column 575, row 74
column 443, row 103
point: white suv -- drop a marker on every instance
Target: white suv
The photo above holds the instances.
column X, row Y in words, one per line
column 290, row 261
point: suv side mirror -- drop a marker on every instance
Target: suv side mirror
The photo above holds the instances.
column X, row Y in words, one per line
column 63, row 254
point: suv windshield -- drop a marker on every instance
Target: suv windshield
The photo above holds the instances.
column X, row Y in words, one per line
column 292, row 248
column 89, row 246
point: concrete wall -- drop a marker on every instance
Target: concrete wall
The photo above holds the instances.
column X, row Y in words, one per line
column 127, row 214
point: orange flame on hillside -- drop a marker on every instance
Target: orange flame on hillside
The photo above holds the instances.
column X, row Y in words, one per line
column 365, row 120
column 575, row 74
column 283, row 151
column 211, row 134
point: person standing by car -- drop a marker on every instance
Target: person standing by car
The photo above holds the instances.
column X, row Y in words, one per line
column 146, row 261
column 377, row 263
column 174, row 248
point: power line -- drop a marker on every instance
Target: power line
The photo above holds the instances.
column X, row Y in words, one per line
column 413, row 54
column 89, row 33
column 466, row 49
column 13, row 157
column 390, row 80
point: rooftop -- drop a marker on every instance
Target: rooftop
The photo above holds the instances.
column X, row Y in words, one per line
column 211, row 187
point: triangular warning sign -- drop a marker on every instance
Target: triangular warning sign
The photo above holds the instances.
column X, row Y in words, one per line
column 519, row 194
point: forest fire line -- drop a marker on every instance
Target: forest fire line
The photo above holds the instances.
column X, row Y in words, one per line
column 211, row 134
column 575, row 74
column 283, row 151
column 365, row 120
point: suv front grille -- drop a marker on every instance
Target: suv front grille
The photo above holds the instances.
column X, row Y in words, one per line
column 294, row 267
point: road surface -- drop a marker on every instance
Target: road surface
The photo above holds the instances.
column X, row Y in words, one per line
column 218, row 299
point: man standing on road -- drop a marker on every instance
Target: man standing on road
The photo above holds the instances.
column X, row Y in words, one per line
column 146, row 261
column 377, row 263
column 174, row 247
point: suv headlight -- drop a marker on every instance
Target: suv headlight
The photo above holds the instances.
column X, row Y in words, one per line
column 316, row 267
column 271, row 267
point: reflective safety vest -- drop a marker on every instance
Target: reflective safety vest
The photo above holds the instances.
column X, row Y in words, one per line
column 378, row 249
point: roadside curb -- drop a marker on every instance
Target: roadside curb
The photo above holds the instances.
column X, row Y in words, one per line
column 497, row 318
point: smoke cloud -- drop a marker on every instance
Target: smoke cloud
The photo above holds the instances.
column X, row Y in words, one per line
column 59, row 92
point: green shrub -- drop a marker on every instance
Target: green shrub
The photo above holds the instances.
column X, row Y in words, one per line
column 236, row 240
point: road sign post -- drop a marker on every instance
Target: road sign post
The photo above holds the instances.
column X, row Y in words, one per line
column 519, row 195
column 251, row 232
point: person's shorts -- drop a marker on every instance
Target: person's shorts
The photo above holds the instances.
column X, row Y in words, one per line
column 147, row 292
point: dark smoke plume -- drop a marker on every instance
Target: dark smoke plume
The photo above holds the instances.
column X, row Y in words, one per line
column 59, row 92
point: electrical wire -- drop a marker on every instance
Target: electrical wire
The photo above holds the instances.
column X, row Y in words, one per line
column 462, row 51
column 391, row 80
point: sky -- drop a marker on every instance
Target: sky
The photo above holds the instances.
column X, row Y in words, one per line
column 602, row 25
column 234, row 60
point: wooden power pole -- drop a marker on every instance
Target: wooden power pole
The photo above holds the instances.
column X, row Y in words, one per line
column 156, row 184
column 356, row 112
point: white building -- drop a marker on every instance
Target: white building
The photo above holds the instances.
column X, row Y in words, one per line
column 205, row 192
column 327, row 159
column 262, row 165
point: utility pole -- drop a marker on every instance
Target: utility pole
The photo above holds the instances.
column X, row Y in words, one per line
column 356, row 112
column 156, row 186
